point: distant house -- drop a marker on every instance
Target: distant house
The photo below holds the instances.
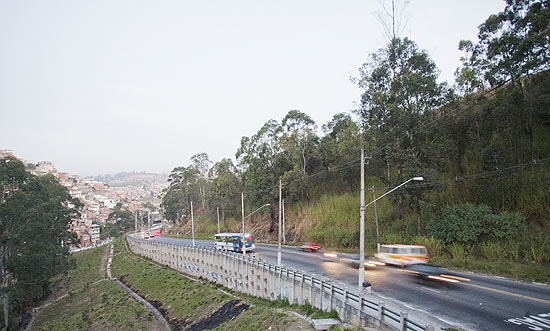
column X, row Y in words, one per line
column 94, row 233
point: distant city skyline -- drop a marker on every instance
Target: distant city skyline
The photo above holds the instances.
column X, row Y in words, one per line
column 106, row 87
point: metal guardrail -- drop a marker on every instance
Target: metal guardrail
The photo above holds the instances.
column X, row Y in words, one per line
column 385, row 315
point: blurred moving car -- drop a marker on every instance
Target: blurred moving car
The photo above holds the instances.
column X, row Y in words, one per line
column 431, row 272
column 310, row 247
column 352, row 260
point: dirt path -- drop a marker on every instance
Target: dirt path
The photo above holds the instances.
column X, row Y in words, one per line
column 103, row 263
column 149, row 306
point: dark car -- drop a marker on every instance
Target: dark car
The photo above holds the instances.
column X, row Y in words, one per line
column 310, row 247
column 434, row 273
column 370, row 262
column 352, row 260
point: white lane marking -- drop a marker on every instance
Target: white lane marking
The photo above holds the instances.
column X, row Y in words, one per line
column 430, row 289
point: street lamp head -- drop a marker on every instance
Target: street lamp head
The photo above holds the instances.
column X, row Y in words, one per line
column 267, row 204
column 418, row 178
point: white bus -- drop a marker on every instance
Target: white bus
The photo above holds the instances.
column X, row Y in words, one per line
column 403, row 254
column 233, row 242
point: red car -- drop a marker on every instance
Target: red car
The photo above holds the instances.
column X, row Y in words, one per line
column 310, row 247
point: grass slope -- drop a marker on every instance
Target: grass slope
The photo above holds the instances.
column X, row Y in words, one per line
column 185, row 302
column 86, row 301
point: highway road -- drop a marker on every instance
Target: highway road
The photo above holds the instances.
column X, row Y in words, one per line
column 482, row 303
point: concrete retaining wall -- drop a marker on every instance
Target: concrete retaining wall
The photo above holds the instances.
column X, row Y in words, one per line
column 259, row 278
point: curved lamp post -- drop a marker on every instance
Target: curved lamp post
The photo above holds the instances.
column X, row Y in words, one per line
column 362, row 237
column 242, row 205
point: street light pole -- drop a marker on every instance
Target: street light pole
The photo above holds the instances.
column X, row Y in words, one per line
column 376, row 219
column 242, row 204
column 362, row 226
column 192, row 224
column 218, row 214
column 361, row 240
column 284, row 231
column 280, row 217
column 242, row 212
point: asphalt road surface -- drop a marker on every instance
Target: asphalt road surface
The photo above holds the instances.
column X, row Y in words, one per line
column 482, row 303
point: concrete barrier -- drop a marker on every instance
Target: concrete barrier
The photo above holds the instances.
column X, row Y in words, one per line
column 261, row 279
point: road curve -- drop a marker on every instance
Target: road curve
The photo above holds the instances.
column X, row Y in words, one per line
column 483, row 303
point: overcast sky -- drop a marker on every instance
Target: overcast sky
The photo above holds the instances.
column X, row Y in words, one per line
column 100, row 87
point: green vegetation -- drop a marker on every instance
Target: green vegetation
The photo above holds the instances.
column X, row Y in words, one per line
column 120, row 221
column 101, row 306
column 34, row 215
column 482, row 146
column 186, row 302
column 90, row 267
column 87, row 300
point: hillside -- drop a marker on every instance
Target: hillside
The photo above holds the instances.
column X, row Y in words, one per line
column 124, row 179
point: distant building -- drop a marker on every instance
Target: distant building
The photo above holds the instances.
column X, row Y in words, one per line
column 44, row 167
column 94, row 233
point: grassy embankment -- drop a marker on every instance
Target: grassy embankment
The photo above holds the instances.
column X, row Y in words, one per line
column 185, row 301
column 333, row 221
column 91, row 302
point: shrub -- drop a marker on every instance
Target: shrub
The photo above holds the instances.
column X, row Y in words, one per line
column 461, row 223
column 470, row 224
column 506, row 225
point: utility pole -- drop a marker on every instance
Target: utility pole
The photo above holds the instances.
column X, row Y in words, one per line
column 242, row 212
column 284, row 232
column 218, row 214
column 3, row 276
column 280, row 217
column 136, row 221
column 376, row 218
column 149, row 217
column 192, row 224
column 362, row 226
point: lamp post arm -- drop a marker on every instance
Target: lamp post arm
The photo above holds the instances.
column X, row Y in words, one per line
column 383, row 195
column 267, row 204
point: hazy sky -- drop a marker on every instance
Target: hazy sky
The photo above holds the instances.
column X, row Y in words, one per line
column 100, row 87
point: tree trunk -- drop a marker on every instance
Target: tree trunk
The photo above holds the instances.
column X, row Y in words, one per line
column 418, row 221
column 4, row 284
column 400, row 202
column 3, row 278
column 223, row 215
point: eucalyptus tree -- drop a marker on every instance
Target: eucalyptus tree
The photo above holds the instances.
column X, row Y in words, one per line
column 225, row 184
column 340, row 147
column 516, row 41
column 182, row 190
column 35, row 213
column 201, row 162
column 261, row 162
column 400, row 89
column 299, row 142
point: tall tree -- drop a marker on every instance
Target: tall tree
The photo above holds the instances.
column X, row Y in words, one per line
column 516, row 41
column 261, row 164
column 226, row 184
column 12, row 176
column 35, row 214
column 341, row 145
column 298, row 144
column 400, row 89
column 183, row 189
column 201, row 162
